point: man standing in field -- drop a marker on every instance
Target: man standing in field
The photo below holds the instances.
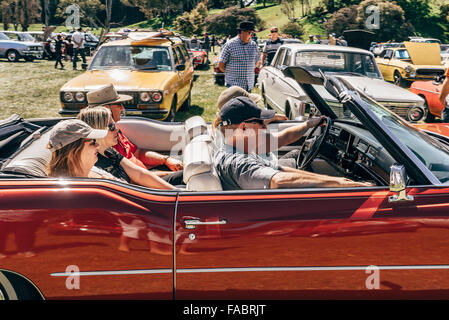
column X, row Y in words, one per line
column 238, row 58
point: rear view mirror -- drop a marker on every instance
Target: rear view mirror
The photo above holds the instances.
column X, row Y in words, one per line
column 398, row 184
column 180, row 67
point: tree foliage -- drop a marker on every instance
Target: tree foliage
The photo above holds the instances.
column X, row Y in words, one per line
column 193, row 22
column 343, row 19
column 20, row 12
column 227, row 22
column 293, row 29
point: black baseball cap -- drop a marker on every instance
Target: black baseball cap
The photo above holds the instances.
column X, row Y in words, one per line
column 240, row 109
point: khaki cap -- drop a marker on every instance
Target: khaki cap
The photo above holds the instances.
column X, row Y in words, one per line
column 68, row 131
column 234, row 92
column 106, row 95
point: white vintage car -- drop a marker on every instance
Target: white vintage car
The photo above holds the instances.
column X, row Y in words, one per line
column 357, row 66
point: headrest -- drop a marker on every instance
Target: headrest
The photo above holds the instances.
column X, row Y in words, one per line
column 195, row 126
column 197, row 157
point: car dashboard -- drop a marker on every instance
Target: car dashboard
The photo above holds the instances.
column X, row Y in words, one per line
column 354, row 153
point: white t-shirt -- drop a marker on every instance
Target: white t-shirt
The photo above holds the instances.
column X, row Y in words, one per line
column 78, row 37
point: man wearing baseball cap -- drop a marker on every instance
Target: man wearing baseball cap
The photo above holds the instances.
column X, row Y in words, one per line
column 239, row 161
column 238, row 58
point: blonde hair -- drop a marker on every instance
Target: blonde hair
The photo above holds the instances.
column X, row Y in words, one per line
column 96, row 116
column 65, row 162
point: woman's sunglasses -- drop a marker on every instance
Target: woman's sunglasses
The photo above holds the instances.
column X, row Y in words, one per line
column 111, row 126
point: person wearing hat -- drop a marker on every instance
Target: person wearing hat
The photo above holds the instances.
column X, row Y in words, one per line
column 238, row 58
column 74, row 149
column 239, row 163
column 107, row 96
column 311, row 39
column 235, row 91
column 271, row 46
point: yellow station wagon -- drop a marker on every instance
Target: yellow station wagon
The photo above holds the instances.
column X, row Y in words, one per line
column 413, row 61
column 154, row 68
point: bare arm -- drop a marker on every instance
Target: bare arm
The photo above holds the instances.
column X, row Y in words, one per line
column 293, row 178
column 221, row 66
column 143, row 177
column 444, row 91
column 153, row 159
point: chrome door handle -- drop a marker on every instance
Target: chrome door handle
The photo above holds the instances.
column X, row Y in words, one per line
column 192, row 223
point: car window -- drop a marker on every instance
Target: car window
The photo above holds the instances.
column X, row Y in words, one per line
column 138, row 57
column 180, row 55
column 402, row 54
column 279, row 58
column 388, row 54
column 176, row 58
column 327, row 61
column 287, row 58
column 13, row 36
column 185, row 53
column 3, row 36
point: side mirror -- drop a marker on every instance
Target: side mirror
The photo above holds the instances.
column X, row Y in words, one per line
column 180, row 67
column 398, row 184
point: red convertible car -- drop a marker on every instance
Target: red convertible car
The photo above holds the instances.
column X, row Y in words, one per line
column 430, row 92
column 64, row 238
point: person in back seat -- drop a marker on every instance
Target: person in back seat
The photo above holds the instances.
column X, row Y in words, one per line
column 110, row 159
column 107, row 96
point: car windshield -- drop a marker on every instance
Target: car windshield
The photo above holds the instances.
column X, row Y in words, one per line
column 91, row 37
column 3, row 36
column 27, row 37
column 431, row 152
column 132, row 57
column 402, row 54
column 338, row 62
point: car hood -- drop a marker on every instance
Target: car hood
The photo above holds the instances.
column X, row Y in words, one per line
column 377, row 89
column 424, row 53
column 123, row 80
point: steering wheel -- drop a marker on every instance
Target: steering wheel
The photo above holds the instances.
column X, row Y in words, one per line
column 313, row 143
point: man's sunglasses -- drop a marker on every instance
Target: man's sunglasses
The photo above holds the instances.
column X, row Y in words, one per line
column 274, row 31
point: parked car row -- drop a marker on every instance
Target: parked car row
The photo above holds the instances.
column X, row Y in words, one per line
column 16, row 46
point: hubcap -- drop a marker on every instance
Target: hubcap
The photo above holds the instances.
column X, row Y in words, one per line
column 415, row 114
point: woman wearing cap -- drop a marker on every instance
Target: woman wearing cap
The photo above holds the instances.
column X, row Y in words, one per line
column 110, row 159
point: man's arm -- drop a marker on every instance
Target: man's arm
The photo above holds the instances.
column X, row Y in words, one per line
column 293, row 178
column 444, row 91
column 153, row 159
column 221, row 67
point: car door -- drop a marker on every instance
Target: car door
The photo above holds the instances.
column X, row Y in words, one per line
column 315, row 243
column 384, row 62
column 101, row 240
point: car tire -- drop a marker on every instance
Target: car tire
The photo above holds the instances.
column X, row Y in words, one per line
column 415, row 114
column 186, row 105
column 429, row 116
column 398, row 80
column 219, row 80
column 12, row 56
column 172, row 113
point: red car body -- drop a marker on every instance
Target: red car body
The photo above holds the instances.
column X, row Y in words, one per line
column 430, row 92
column 199, row 58
column 64, row 238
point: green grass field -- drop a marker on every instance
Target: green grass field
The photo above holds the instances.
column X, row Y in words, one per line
column 31, row 90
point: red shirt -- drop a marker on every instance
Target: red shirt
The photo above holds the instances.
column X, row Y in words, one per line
column 127, row 149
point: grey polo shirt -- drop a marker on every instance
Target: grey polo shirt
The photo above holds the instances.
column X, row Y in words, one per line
column 238, row 170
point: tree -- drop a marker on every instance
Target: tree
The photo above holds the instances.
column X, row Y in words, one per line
column 7, row 16
column 26, row 12
column 88, row 11
column 288, row 8
column 293, row 29
column 343, row 19
column 184, row 25
column 227, row 22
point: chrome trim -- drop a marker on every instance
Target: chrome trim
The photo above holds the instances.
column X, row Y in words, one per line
column 252, row 269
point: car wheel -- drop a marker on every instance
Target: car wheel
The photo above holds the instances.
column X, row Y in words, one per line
column 12, row 56
column 172, row 113
column 415, row 114
column 219, row 80
column 429, row 116
column 398, row 80
column 186, row 105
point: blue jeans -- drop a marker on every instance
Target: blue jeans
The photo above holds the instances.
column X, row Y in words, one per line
column 445, row 115
column 75, row 56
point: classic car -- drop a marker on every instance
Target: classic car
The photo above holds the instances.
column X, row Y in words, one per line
column 357, row 66
column 430, row 92
column 199, row 54
column 378, row 48
column 424, row 40
column 206, row 243
column 417, row 61
column 153, row 67
column 14, row 49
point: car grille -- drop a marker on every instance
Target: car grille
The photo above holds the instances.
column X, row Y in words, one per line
column 399, row 110
column 133, row 101
column 429, row 72
column 36, row 48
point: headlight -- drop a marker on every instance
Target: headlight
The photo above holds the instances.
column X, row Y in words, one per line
column 68, row 96
column 408, row 69
column 157, row 96
column 79, row 96
column 144, row 96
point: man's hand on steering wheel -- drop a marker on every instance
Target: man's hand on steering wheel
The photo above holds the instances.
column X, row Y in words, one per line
column 313, row 122
column 313, row 141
